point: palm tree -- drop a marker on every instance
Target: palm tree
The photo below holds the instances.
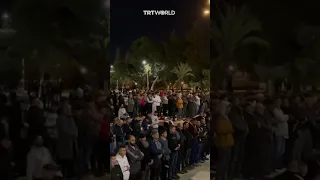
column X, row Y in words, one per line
column 205, row 82
column 234, row 29
column 182, row 70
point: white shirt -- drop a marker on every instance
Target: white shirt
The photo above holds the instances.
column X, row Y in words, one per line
column 198, row 101
column 122, row 112
column 282, row 124
column 156, row 100
column 124, row 165
column 37, row 158
column 155, row 121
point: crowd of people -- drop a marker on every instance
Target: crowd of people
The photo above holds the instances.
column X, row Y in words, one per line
column 256, row 136
column 62, row 136
column 157, row 135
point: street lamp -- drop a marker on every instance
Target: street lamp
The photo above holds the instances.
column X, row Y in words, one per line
column 144, row 62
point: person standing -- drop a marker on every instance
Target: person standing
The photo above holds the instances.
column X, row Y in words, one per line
column 181, row 152
column 281, row 132
column 179, row 106
column 66, row 142
column 164, row 101
column 187, row 145
column 224, row 140
column 123, row 162
column 193, row 129
column 131, row 105
column 157, row 102
column 241, row 129
column 135, row 157
column 174, row 146
column 119, row 132
column 156, row 155
column 146, row 161
column 166, row 155
column 116, row 172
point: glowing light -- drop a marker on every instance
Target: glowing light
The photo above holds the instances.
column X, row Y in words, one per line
column 206, row 12
column 144, row 62
column 83, row 70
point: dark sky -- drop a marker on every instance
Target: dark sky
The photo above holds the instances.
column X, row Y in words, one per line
column 5, row 5
column 128, row 22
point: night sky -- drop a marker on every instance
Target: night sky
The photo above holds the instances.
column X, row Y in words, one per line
column 128, row 22
column 5, row 6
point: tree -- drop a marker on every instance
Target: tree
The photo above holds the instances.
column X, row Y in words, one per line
column 182, row 70
column 235, row 29
column 205, row 80
column 73, row 27
column 156, row 69
column 145, row 50
column 198, row 50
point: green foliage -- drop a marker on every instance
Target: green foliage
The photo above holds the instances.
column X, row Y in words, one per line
column 56, row 32
column 182, row 70
column 235, row 29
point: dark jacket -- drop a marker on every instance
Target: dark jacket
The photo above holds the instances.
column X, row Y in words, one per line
column 188, row 136
column 116, row 173
column 127, row 130
column 134, row 156
column 156, row 153
column 240, row 126
column 193, row 129
column 36, row 119
column 147, row 156
column 136, row 128
column 6, row 168
column 173, row 142
column 119, row 132
column 182, row 139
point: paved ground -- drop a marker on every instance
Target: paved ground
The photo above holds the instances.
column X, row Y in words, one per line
column 200, row 173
